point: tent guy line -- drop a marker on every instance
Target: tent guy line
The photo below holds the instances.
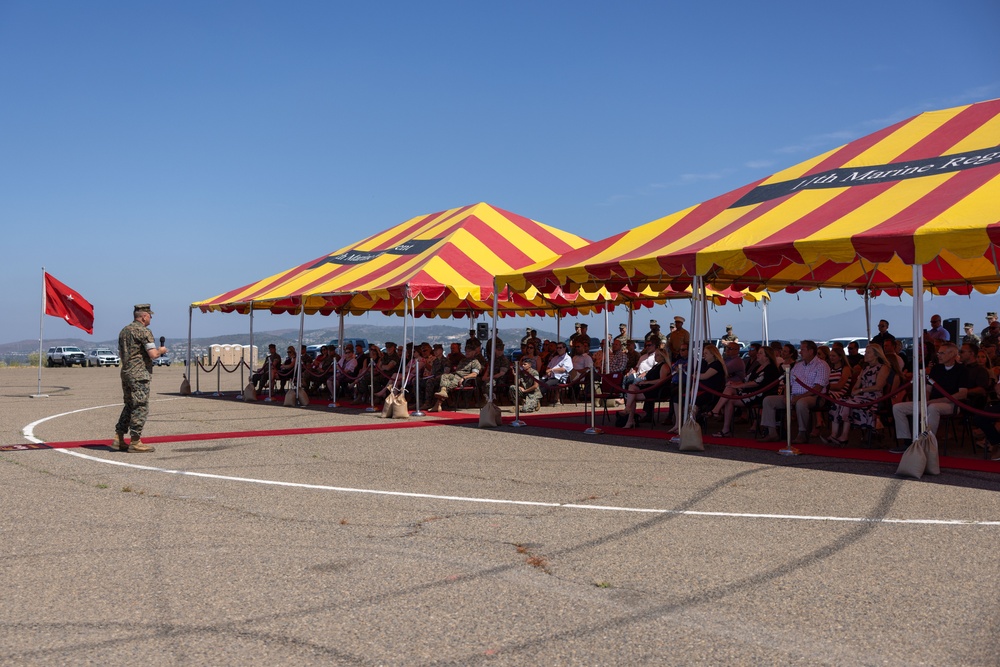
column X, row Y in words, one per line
column 28, row 432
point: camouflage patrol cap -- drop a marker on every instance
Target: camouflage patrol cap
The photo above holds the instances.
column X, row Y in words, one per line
column 143, row 308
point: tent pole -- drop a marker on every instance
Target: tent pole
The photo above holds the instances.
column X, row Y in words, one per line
column 493, row 347
column 187, row 367
column 763, row 319
column 607, row 341
column 868, row 315
column 416, row 368
column 919, row 386
column 253, row 358
column 401, row 372
column 697, row 291
column 340, row 332
column 302, row 328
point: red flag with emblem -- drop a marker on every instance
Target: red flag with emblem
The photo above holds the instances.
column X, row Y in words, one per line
column 68, row 305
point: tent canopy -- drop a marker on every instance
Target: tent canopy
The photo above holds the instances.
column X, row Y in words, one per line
column 923, row 191
column 446, row 263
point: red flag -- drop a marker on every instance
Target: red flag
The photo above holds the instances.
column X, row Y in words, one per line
column 65, row 303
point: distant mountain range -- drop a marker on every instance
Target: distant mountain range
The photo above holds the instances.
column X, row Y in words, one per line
column 282, row 338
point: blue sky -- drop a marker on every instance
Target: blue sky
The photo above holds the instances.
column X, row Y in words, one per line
column 167, row 152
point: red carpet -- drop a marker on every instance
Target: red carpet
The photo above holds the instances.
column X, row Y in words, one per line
column 567, row 421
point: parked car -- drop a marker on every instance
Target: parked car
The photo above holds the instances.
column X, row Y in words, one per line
column 66, row 355
column 595, row 344
column 358, row 343
column 102, row 356
column 861, row 341
column 745, row 353
column 162, row 360
column 721, row 344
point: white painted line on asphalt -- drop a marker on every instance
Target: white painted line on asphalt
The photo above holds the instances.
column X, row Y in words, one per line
column 28, row 432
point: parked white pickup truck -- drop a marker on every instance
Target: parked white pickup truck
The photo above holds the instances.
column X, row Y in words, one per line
column 66, row 355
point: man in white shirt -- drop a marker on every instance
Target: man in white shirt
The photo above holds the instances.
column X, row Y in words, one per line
column 810, row 371
column 558, row 370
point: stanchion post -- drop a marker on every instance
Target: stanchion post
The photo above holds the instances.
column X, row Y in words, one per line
column 333, row 392
column 218, row 378
column 197, row 377
column 788, row 450
column 593, row 430
column 270, row 380
column 517, row 397
column 416, row 390
column 679, row 417
column 371, row 388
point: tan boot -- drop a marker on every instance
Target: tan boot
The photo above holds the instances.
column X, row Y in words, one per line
column 138, row 446
column 119, row 442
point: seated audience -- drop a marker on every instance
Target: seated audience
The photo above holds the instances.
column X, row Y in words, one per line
column 467, row 369
column 557, row 371
column 736, row 369
column 618, row 359
column 530, row 355
column 748, row 392
column 871, row 384
column 286, row 371
column 810, row 372
column 263, row 376
column 948, row 374
column 649, row 388
column 527, row 388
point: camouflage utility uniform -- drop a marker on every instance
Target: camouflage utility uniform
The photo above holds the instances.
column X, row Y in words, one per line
column 467, row 366
column 527, row 391
column 137, row 371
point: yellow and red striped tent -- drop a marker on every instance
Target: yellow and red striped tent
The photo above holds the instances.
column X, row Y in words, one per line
column 923, row 191
column 446, row 262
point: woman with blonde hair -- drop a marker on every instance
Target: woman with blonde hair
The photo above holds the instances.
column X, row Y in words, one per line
column 870, row 386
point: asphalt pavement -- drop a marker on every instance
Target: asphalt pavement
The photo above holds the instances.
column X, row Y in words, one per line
column 264, row 534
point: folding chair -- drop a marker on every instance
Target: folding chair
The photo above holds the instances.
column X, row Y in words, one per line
column 611, row 388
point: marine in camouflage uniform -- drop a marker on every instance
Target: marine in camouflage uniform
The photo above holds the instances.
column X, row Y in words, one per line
column 468, row 368
column 528, row 389
column 137, row 351
column 623, row 336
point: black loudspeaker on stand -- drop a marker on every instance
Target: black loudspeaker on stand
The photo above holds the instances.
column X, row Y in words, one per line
column 951, row 326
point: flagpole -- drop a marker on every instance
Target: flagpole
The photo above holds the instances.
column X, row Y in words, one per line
column 41, row 337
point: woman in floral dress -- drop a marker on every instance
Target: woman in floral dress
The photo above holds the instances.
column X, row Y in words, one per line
column 869, row 387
